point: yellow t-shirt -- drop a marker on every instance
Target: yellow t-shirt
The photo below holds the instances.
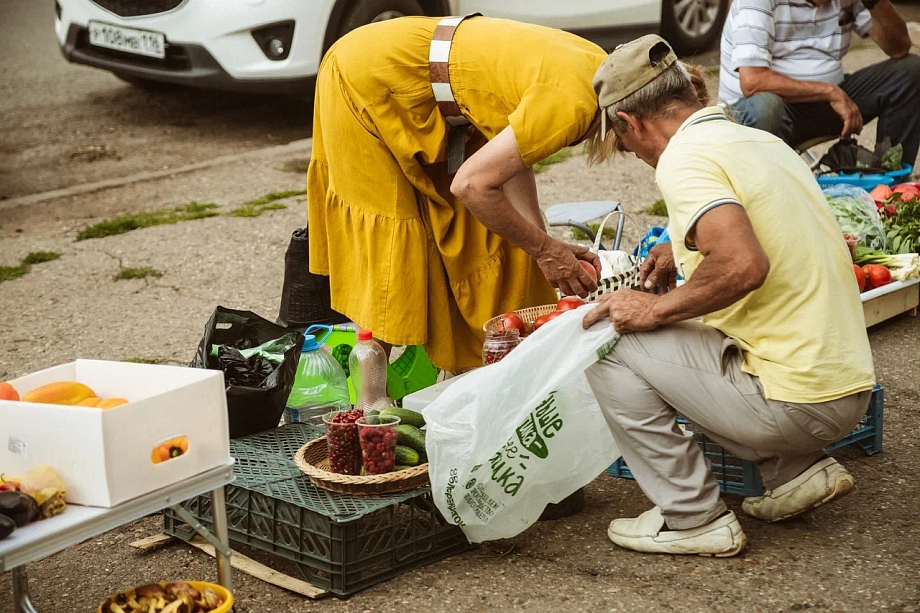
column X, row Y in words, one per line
column 802, row 332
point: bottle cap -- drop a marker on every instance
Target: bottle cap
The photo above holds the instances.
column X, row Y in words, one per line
column 365, row 335
column 309, row 343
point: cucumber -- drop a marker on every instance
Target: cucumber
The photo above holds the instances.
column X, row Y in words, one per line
column 406, row 416
column 401, row 467
column 406, row 456
column 410, row 436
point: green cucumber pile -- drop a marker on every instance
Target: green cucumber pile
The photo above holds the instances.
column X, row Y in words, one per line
column 410, row 438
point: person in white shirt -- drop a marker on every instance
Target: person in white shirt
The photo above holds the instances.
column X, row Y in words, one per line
column 781, row 70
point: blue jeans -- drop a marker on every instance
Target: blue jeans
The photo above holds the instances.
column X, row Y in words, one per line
column 889, row 90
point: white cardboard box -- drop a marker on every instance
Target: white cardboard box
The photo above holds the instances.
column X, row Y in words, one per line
column 104, row 456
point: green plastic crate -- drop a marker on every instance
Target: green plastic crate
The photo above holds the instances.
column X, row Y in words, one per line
column 410, row 372
column 338, row 542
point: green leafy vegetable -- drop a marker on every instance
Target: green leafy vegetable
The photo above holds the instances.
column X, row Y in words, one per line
column 891, row 160
column 859, row 217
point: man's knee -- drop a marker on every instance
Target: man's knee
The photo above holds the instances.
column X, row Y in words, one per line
column 906, row 70
column 762, row 111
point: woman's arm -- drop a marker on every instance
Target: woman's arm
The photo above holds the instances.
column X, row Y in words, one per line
column 480, row 183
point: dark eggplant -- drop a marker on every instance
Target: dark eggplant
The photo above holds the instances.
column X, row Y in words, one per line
column 7, row 526
column 19, row 507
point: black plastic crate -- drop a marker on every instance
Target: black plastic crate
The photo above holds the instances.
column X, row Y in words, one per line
column 340, row 543
column 737, row 476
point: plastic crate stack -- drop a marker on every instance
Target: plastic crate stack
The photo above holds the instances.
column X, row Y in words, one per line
column 338, row 542
column 737, row 476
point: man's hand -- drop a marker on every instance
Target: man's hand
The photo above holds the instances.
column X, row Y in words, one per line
column 658, row 273
column 849, row 113
column 559, row 263
column 628, row 311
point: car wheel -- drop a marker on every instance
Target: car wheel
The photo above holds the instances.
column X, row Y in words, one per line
column 692, row 26
column 370, row 11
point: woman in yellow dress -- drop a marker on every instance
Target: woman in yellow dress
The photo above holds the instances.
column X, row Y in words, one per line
column 415, row 254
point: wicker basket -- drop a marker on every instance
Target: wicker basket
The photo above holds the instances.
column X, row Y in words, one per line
column 313, row 459
column 528, row 315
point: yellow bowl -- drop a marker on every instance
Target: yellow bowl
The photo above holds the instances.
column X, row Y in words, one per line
column 200, row 585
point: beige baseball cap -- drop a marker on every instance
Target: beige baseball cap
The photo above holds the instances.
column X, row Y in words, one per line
column 628, row 69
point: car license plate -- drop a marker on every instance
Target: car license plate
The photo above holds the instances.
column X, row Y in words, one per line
column 129, row 40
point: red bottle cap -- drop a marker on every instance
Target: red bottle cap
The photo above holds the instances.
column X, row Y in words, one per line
column 365, row 335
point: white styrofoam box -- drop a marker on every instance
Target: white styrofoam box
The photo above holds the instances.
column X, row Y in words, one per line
column 104, row 456
column 417, row 401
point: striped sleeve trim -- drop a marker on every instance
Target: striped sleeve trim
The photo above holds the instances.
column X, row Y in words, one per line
column 688, row 242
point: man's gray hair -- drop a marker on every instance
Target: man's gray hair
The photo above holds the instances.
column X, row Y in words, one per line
column 679, row 85
column 660, row 96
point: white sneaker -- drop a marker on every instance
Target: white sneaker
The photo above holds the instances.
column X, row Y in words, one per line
column 648, row 533
column 824, row 481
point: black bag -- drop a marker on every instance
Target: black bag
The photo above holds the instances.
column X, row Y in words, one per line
column 305, row 296
column 257, row 389
column 849, row 157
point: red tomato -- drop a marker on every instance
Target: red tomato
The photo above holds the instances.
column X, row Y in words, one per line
column 906, row 191
column 512, row 320
column 880, row 193
column 860, row 277
column 569, row 303
column 876, row 275
column 589, row 268
column 543, row 319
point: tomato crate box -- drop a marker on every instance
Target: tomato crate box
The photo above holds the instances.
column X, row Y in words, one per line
column 338, row 542
column 737, row 476
column 105, row 457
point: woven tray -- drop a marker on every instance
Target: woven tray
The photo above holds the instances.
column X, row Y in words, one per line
column 313, row 459
column 528, row 315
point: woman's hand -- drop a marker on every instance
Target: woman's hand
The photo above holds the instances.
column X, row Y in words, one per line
column 658, row 273
column 560, row 265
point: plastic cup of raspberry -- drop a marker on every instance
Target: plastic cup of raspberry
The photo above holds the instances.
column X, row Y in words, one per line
column 342, row 440
column 377, row 434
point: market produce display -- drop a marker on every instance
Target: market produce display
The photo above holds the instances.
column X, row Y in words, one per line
column 176, row 597
column 72, row 393
column 38, row 495
column 884, row 239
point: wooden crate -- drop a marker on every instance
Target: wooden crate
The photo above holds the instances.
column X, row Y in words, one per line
column 890, row 301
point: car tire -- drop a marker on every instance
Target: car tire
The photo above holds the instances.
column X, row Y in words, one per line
column 369, row 11
column 692, row 26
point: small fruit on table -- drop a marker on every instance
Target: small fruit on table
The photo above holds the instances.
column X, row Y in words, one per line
column 860, row 277
column 569, row 303
column 21, row 508
column 379, row 446
column 50, row 501
column 544, row 319
column 877, row 275
column 8, row 392
column 169, row 450
column 512, row 321
column 59, row 392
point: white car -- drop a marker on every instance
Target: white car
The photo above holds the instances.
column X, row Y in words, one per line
column 276, row 46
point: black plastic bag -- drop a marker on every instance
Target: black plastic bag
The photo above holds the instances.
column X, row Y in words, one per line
column 849, row 157
column 257, row 389
column 305, row 296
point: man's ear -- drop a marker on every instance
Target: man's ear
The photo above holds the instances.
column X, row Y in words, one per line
column 636, row 124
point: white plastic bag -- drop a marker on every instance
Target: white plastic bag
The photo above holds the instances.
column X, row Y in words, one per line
column 618, row 269
column 509, row 438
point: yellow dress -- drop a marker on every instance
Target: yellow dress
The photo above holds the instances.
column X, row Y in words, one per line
column 405, row 258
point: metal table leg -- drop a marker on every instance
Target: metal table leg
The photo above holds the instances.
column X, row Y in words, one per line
column 219, row 513
column 21, row 601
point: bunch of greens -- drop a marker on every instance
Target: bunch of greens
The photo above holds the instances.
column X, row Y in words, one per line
column 902, row 230
column 903, row 266
column 860, row 217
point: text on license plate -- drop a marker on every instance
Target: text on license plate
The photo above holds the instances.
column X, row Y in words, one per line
column 129, row 40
